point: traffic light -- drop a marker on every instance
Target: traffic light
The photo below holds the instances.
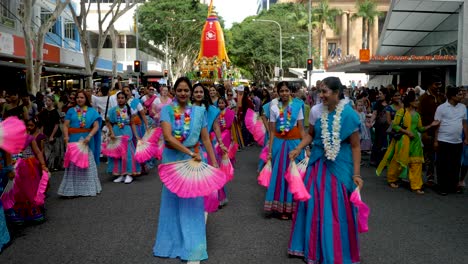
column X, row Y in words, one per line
column 305, row 75
column 137, row 66
column 165, row 73
column 310, row 64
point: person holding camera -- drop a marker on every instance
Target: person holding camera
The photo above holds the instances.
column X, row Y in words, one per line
column 404, row 156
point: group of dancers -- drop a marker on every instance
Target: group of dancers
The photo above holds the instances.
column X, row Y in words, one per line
column 191, row 127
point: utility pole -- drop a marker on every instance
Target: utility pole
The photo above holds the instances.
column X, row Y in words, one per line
column 310, row 42
column 137, row 52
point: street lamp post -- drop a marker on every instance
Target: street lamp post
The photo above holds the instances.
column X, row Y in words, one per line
column 280, row 38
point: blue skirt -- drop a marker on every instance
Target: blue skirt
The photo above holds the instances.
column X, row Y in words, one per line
column 325, row 227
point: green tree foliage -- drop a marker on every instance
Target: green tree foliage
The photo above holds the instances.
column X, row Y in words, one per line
column 181, row 21
column 254, row 46
column 367, row 9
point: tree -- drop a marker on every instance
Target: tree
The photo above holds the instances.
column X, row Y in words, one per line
column 176, row 25
column 367, row 9
column 105, row 25
column 254, row 46
column 324, row 16
column 34, row 41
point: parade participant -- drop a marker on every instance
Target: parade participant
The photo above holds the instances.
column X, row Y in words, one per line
column 150, row 100
column 30, row 106
column 286, row 127
column 214, row 95
column 13, row 107
column 364, row 129
column 164, row 100
column 325, row 227
column 379, row 117
column 71, row 102
column 50, row 120
column 5, row 169
column 404, row 156
column 120, row 123
column 452, row 117
column 19, row 202
column 82, row 123
column 265, row 119
column 137, row 112
column 181, row 228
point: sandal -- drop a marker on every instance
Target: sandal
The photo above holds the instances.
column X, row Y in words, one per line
column 285, row 217
column 393, row 185
column 418, row 191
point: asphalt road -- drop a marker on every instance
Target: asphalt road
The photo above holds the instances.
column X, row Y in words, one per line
column 119, row 225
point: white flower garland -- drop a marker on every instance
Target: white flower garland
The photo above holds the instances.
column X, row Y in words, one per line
column 332, row 147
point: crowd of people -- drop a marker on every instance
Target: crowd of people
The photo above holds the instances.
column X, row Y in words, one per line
column 407, row 131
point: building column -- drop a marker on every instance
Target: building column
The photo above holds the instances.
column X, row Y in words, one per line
column 344, row 34
column 374, row 36
column 462, row 53
column 355, row 36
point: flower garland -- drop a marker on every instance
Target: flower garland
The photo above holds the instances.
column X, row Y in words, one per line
column 81, row 112
column 332, row 146
column 181, row 128
column 222, row 120
column 121, row 117
column 284, row 128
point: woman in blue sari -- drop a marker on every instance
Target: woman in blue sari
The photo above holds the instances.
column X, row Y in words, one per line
column 82, row 123
column 287, row 129
column 325, row 227
column 181, row 228
column 138, row 112
column 265, row 116
column 5, row 168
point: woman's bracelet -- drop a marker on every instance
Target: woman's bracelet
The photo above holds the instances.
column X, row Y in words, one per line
column 357, row 176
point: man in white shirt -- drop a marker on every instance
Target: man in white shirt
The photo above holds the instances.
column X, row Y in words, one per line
column 449, row 144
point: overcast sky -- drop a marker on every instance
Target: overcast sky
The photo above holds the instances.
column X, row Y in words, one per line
column 235, row 10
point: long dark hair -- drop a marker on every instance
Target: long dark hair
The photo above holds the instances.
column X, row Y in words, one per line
column 409, row 98
column 129, row 110
column 183, row 79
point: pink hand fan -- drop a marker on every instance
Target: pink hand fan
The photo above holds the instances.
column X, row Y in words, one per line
column 76, row 153
column 302, row 166
column 363, row 211
column 296, row 183
column 41, row 189
column 159, row 148
column 232, row 151
column 251, row 118
column 259, row 133
column 12, row 135
column 145, row 151
column 153, row 135
column 227, row 168
column 116, row 148
column 264, row 176
column 211, row 202
column 190, row 178
column 255, row 126
column 264, row 153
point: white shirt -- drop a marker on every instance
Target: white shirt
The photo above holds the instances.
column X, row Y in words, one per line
column 315, row 113
column 451, row 122
column 100, row 103
column 139, row 107
column 274, row 115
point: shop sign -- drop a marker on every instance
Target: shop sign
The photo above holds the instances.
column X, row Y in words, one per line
column 50, row 53
column 6, row 43
column 364, row 55
column 414, row 58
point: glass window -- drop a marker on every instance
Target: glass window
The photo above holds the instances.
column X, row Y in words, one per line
column 331, row 49
column 69, row 30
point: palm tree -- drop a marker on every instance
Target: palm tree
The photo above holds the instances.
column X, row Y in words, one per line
column 367, row 9
column 324, row 15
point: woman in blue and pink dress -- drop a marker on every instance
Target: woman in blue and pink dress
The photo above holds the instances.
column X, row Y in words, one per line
column 5, row 169
column 120, row 124
column 82, row 123
column 287, row 129
column 181, row 227
column 325, row 227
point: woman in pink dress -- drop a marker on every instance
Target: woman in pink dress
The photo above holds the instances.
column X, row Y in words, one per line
column 163, row 100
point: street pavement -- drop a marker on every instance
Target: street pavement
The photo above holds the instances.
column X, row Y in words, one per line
column 119, row 225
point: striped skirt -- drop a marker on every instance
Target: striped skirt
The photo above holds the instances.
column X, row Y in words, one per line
column 325, row 227
column 81, row 182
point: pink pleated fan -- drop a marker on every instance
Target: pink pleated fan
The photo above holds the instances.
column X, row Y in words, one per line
column 116, row 148
column 255, row 126
column 159, row 148
column 190, row 178
column 296, row 183
column 302, row 166
column 227, row 168
column 41, row 189
column 363, row 211
column 211, row 202
column 264, row 176
column 145, row 151
column 232, row 150
column 152, row 135
column 264, row 153
column 76, row 153
column 12, row 135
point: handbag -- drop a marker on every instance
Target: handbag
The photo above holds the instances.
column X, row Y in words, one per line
column 397, row 135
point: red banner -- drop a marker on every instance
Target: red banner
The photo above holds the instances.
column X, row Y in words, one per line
column 50, row 53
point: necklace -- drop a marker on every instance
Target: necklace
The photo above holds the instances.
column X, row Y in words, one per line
column 81, row 112
column 222, row 120
column 121, row 117
column 284, row 128
column 331, row 139
column 181, row 127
